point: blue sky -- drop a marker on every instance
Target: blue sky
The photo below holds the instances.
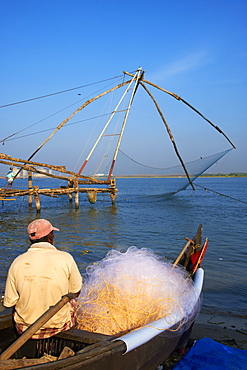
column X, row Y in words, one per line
column 196, row 49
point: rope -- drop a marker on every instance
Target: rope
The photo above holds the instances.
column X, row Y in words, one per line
column 59, row 92
column 52, row 128
column 223, row 195
column 110, row 309
column 51, row 115
column 145, row 165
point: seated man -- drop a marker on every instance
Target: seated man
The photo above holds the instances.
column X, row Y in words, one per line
column 38, row 278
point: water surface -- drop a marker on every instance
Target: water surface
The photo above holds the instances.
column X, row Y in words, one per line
column 143, row 216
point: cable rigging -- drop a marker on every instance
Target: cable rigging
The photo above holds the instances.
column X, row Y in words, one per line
column 10, row 138
column 58, row 92
column 218, row 193
column 43, row 119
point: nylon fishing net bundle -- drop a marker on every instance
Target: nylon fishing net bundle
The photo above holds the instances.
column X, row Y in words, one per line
column 127, row 290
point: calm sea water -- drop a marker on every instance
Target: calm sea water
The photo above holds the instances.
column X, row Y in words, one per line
column 142, row 218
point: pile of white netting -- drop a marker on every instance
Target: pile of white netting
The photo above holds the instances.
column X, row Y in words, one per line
column 127, row 290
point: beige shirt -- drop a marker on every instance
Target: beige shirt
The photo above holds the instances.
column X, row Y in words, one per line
column 37, row 280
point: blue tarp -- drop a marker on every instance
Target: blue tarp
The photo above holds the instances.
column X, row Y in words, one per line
column 209, row 354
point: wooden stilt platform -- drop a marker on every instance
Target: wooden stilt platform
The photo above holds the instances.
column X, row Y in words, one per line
column 76, row 183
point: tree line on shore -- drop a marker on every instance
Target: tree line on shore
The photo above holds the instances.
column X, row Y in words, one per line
column 231, row 174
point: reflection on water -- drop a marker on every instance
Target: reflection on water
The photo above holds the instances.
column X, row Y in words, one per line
column 144, row 217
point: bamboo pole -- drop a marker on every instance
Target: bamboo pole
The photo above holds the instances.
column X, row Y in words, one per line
column 36, row 326
column 181, row 253
column 88, row 180
column 53, row 167
column 6, row 159
column 189, row 105
column 105, row 127
column 71, row 116
column 138, row 76
column 170, row 135
column 53, row 192
column 158, row 87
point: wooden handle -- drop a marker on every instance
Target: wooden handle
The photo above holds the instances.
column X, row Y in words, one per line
column 181, row 253
column 36, row 326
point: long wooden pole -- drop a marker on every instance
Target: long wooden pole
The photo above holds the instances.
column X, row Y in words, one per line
column 72, row 115
column 105, row 127
column 189, row 105
column 36, row 326
column 138, row 76
column 28, row 165
column 181, row 253
column 170, row 135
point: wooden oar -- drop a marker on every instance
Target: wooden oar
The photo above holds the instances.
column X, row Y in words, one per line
column 36, row 326
column 182, row 252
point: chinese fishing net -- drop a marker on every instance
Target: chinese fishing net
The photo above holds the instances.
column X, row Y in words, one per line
column 127, row 290
column 194, row 168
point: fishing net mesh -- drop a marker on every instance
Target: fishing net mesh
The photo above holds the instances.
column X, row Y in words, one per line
column 132, row 289
column 126, row 165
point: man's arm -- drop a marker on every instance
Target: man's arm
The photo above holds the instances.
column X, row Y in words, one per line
column 75, row 279
column 11, row 295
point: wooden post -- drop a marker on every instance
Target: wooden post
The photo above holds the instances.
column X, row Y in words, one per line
column 37, row 199
column 30, row 185
column 113, row 197
column 76, row 193
column 113, row 193
column 70, row 185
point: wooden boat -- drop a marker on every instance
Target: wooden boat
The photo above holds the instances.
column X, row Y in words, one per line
column 143, row 348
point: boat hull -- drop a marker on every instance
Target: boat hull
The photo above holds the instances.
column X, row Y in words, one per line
column 99, row 352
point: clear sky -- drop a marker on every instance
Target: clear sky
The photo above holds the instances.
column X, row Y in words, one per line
column 196, row 49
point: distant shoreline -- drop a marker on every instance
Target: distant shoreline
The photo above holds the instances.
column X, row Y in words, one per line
column 181, row 176
column 220, row 175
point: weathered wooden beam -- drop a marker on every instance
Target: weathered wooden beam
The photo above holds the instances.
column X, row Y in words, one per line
column 53, row 167
column 53, row 192
column 29, row 166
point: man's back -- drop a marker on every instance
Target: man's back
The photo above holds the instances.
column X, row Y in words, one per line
column 37, row 280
